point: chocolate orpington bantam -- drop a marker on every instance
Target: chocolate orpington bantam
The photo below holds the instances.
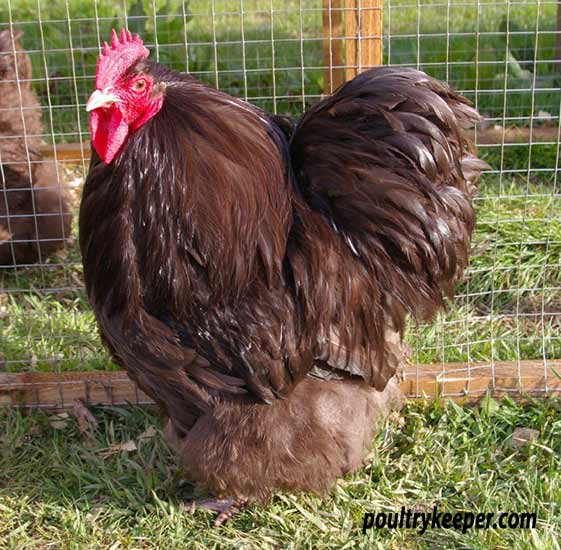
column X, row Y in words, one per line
column 254, row 276
column 35, row 216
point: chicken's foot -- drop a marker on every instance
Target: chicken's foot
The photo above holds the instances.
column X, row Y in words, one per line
column 226, row 507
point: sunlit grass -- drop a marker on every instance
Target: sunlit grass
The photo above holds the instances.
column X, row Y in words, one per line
column 60, row 489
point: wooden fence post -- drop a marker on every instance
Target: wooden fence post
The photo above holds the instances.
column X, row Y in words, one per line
column 363, row 33
column 363, row 39
column 332, row 46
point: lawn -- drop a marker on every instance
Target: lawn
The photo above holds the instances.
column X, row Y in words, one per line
column 61, row 488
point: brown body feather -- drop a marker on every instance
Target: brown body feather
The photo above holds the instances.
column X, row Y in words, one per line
column 34, row 214
column 254, row 277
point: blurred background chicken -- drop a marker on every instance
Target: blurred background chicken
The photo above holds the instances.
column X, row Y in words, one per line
column 35, row 217
column 254, row 276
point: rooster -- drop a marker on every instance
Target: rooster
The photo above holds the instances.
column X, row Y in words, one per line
column 35, row 217
column 254, row 276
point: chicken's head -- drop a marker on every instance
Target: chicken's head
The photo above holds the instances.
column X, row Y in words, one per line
column 125, row 96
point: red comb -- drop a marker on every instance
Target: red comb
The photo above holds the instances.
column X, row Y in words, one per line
column 115, row 60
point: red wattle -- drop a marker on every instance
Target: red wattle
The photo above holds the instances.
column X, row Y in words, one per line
column 109, row 131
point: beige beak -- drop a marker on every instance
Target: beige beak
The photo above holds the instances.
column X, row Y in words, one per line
column 101, row 99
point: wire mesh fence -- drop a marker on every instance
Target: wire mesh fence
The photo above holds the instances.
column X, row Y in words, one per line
column 282, row 56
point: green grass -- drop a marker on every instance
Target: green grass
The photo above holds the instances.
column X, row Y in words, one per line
column 59, row 489
column 514, row 280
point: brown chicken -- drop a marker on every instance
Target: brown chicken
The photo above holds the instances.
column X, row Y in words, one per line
column 34, row 214
column 254, row 276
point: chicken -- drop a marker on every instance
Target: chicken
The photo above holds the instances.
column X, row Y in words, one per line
column 34, row 213
column 254, row 276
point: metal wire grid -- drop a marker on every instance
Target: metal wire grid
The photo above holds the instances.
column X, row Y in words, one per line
column 503, row 55
column 509, row 308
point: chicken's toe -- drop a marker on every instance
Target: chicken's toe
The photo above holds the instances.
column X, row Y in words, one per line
column 226, row 507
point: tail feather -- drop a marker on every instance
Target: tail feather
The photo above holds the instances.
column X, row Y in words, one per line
column 386, row 161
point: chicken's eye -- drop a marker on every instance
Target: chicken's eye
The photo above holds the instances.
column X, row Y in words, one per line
column 139, row 85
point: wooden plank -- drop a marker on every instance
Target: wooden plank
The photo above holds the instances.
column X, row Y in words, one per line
column 454, row 380
column 59, row 390
column 67, row 152
column 468, row 384
column 332, row 45
column 363, row 35
column 71, row 152
column 493, row 135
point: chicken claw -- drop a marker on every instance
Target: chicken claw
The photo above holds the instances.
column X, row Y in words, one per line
column 226, row 507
